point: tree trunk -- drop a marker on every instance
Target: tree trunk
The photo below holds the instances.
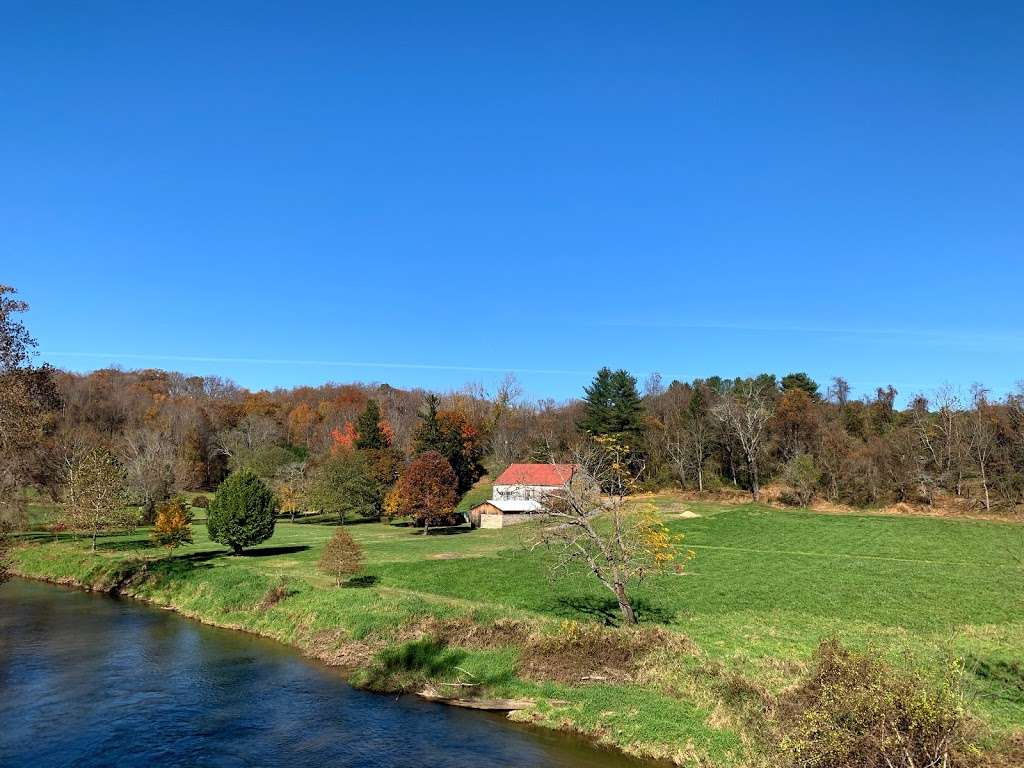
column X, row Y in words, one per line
column 700, row 477
column 755, row 484
column 984, row 484
column 628, row 614
column 236, row 549
column 426, row 527
column 94, row 540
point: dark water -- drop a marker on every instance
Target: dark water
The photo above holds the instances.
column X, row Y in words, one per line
column 87, row 680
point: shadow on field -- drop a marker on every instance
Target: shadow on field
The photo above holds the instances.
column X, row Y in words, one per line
column 606, row 610
column 361, row 582
column 271, row 551
column 124, row 546
column 446, row 530
column 1008, row 676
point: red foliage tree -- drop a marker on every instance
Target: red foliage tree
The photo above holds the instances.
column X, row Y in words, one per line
column 427, row 491
column 343, row 439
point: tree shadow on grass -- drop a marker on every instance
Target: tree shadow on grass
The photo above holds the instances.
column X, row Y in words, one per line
column 443, row 530
column 360, row 582
column 1005, row 677
column 124, row 546
column 606, row 610
column 272, row 551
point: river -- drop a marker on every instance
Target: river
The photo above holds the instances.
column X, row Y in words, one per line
column 88, row 680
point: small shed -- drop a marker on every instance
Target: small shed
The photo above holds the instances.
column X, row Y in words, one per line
column 498, row 513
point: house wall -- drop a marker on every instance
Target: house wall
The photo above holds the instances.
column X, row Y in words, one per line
column 522, row 491
column 502, row 521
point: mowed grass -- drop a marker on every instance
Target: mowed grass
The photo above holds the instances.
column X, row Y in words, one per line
column 764, row 588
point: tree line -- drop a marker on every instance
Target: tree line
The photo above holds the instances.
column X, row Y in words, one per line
column 373, row 449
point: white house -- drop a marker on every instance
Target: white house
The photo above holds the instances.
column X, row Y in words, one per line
column 518, row 492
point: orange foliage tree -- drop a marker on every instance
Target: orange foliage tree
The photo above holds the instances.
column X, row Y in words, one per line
column 427, row 491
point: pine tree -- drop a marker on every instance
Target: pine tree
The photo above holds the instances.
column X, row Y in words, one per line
column 370, row 434
column 801, row 380
column 429, row 434
column 612, row 405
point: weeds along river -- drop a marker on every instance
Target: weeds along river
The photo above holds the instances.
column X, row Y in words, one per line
column 89, row 680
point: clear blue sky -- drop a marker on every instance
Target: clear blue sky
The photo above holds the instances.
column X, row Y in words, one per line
column 429, row 194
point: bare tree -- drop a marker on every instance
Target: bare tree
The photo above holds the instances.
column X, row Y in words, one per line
column 839, row 391
column 746, row 411
column 982, row 433
column 952, row 443
column 688, row 439
column 147, row 456
column 591, row 528
column 507, row 437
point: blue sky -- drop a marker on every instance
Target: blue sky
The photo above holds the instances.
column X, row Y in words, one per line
column 433, row 194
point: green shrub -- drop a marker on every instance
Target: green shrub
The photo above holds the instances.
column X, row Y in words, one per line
column 856, row 710
column 242, row 512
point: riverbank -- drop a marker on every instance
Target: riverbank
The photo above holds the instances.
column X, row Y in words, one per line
column 393, row 640
column 473, row 614
column 219, row 698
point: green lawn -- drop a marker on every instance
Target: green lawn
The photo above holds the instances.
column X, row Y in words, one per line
column 766, row 586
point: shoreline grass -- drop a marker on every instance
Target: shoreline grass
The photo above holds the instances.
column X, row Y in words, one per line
column 766, row 587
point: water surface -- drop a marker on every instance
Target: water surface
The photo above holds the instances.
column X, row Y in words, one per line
column 88, row 680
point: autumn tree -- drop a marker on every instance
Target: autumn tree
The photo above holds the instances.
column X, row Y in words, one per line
column 173, row 524
column 345, row 484
column 450, row 434
column 342, row 556
column 242, row 512
column 427, row 491
column 612, row 406
column 592, row 529
column 290, row 488
column 795, row 422
column 28, row 406
column 95, row 496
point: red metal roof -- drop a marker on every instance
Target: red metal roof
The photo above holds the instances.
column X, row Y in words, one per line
column 537, row 474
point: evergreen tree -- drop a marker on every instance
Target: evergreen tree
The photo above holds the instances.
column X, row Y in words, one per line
column 800, row 380
column 429, row 434
column 242, row 512
column 368, row 428
column 443, row 433
column 612, row 405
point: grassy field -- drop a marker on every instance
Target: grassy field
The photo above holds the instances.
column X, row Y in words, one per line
column 766, row 586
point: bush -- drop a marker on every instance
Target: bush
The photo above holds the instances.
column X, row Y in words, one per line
column 200, row 502
column 856, row 710
column 342, row 556
column 802, row 477
column 173, row 524
column 242, row 512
